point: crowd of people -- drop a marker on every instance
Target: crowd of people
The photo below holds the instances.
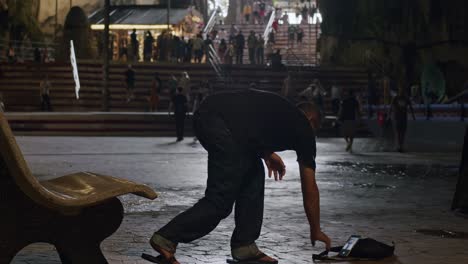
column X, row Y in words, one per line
column 166, row 47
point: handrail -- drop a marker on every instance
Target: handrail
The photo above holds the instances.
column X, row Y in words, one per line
column 215, row 61
column 269, row 26
column 211, row 22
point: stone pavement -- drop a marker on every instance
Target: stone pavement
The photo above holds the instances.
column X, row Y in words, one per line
column 383, row 195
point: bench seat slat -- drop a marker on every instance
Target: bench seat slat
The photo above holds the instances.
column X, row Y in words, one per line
column 86, row 189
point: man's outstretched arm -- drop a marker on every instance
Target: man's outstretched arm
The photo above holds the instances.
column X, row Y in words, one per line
column 311, row 198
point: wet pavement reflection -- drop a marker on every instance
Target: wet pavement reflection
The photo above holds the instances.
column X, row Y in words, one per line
column 383, row 195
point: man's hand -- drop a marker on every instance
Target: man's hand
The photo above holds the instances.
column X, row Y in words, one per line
column 275, row 165
column 320, row 236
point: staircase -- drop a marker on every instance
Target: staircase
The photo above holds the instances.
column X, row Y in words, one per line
column 298, row 53
column 245, row 28
column 20, row 83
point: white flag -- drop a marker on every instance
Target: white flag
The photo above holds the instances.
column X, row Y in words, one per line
column 75, row 70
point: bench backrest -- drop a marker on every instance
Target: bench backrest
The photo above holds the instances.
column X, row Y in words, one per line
column 17, row 168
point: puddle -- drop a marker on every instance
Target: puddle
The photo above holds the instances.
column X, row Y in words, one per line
column 374, row 186
column 443, row 233
column 397, row 170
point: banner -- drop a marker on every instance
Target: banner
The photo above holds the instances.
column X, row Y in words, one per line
column 75, row 69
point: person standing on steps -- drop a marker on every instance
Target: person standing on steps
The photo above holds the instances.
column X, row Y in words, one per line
column 180, row 110
column 260, row 50
column 240, row 44
column 252, row 45
column 45, row 94
column 130, row 83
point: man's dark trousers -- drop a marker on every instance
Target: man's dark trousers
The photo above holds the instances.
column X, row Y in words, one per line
column 180, row 124
column 235, row 176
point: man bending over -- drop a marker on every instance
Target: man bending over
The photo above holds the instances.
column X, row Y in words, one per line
column 239, row 129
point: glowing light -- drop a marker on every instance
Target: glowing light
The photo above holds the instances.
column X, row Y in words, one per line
column 317, row 17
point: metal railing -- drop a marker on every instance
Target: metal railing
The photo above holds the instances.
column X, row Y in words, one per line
column 215, row 62
column 211, row 22
column 269, row 25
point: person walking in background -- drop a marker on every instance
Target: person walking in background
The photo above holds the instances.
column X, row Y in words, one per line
column 305, row 14
column 255, row 13
column 371, row 94
column 314, row 93
column 262, row 11
column 291, row 34
column 123, row 48
column 335, row 98
column 285, row 19
column 260, row 51
column 180, row 103
column 222, row 47
column 45, row 94
column 275, row 25
column 134, row 42
column 247, row 13
column 11, row 55
column 175, row 42
column 252, row 45
column 130, row 83
column 288, row 90
column 277, row 61
column 184, row 82
column 45, row 55
column 182, row 50
column 271, row 37
column 233, row 32
column 300, row 35
column 37, row 55
column 399, row 114
column 240, row 44
column 222, row 35
column 269, row 50
column 230, row 53
column 172, row 87
column 349, row 116
column 148, row 46
column 198, row 48
column 189, row 50
column 155, row 91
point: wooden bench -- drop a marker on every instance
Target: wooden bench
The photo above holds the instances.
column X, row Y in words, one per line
column 75, row 213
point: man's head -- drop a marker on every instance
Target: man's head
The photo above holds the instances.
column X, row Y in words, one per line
column 180, row 89
column 312, row 113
